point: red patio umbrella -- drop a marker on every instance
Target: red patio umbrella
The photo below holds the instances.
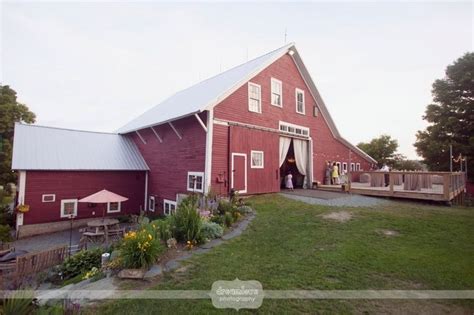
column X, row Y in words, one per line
column 103, row 196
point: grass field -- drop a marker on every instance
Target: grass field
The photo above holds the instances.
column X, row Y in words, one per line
column 290, row 245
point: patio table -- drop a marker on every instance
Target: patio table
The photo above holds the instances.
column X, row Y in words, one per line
column 103, row 226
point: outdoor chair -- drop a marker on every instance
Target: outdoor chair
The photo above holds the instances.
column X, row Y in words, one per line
column 94, row 237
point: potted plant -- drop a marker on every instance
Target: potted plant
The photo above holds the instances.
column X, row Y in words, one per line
column 23, row 208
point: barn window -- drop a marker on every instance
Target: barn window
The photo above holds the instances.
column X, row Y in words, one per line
column 257, row 159
column 277, row 88
column 293, row 129
column 68, row 208
column 151, row 203
column 344, row 167
column 169, row 206
column 352, row 167
column 255, row 98
column 113, row 207
column 357, row 166
column 48, row 198
column 299, row 101
column 195, row 181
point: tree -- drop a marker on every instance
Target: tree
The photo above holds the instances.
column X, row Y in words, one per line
column 382, row 149
column 451, row 118
column 10, row 112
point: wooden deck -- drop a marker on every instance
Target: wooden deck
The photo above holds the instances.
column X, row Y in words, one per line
column 443, row 186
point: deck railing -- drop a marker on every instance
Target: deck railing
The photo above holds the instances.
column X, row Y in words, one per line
column 441, row 186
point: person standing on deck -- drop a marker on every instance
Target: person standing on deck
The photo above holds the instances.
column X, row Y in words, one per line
column 386, row 176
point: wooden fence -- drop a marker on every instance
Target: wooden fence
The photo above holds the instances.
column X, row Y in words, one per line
column 30, row 264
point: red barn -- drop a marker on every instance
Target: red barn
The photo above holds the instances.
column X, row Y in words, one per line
column 243, row 129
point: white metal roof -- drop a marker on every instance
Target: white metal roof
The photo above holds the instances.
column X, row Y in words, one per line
column 47, row 148
column 204, row 94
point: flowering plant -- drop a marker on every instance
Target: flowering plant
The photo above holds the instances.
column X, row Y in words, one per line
column 140, row 249
column 23, row 208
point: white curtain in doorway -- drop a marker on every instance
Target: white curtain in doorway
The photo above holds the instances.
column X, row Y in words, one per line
column 284, row 147
column 301, row 156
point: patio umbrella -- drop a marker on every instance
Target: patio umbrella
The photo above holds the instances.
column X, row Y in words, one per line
column 103, row 196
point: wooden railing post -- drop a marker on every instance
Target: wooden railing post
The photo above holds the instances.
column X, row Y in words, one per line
column 446, row 183
column 391, row 180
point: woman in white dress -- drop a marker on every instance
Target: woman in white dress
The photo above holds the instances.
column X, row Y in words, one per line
column 289, row 181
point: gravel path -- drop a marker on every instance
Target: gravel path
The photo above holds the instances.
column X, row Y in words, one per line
column 345, row 200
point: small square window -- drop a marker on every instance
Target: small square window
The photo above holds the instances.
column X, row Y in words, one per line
column 113, row 207
column 68, row 208
column 195, row 181
column 151, row 203
column 48, row 198
column 257, row 159
column 169, row 206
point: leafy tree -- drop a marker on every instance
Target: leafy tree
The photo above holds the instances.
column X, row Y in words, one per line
column 409, row 165
column 10, row 112
column 451, row 118
column 382, row 149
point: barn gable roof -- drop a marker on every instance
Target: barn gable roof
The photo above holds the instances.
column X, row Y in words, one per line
column 208, row 93
column 47, row 148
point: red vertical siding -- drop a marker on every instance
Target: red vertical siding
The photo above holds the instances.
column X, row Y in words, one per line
column 220, row 159
column 325, row 145
column 79, row 184
column 171, row 160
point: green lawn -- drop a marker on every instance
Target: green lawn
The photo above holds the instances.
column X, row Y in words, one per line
column 290, row 246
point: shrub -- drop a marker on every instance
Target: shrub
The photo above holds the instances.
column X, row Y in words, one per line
column 186, row 222
column 7, row 217
column 81, row 262
column 211, row 230
column 224, row 206
column 245, row 209
column 219, row 219
column 5, row 235
column 228, row 219
column 124, row 219
column 163, row 228
column 140, row 249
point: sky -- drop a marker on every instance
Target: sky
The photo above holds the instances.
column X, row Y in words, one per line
column 97, row 65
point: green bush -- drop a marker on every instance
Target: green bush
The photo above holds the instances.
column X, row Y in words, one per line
column 219, row 219
column 245, row 209
column 228, row 219
column 211, row 230
column 163, row 228
column 6, row 215
column 140, row 249
column 186, row 221
column 124, row 219
column 5, row 235
column 224, row 206
column 81, row 262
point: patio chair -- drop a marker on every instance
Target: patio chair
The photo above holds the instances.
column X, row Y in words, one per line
column 94, row 237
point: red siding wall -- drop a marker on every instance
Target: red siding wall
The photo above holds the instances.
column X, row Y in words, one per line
column 171, row 160
column 235, row 108
column 220, row 157
column 79, row 184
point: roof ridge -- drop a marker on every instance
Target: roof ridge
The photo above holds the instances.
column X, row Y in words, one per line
column 66, row 129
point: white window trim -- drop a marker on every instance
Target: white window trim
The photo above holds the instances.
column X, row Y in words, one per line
column 62, row 207
column 200, row 174
column 357, row 167
column 259, row 96
column 283, row 123
column 48, row 195
column 296, row 101
column 271, row 92
column 344, row 167
column 151, row 203
column 170, row 202
column 251, row 159
column 114, row 211
column 353, row 167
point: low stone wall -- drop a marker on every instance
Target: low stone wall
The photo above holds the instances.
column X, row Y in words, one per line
column 43, row 228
